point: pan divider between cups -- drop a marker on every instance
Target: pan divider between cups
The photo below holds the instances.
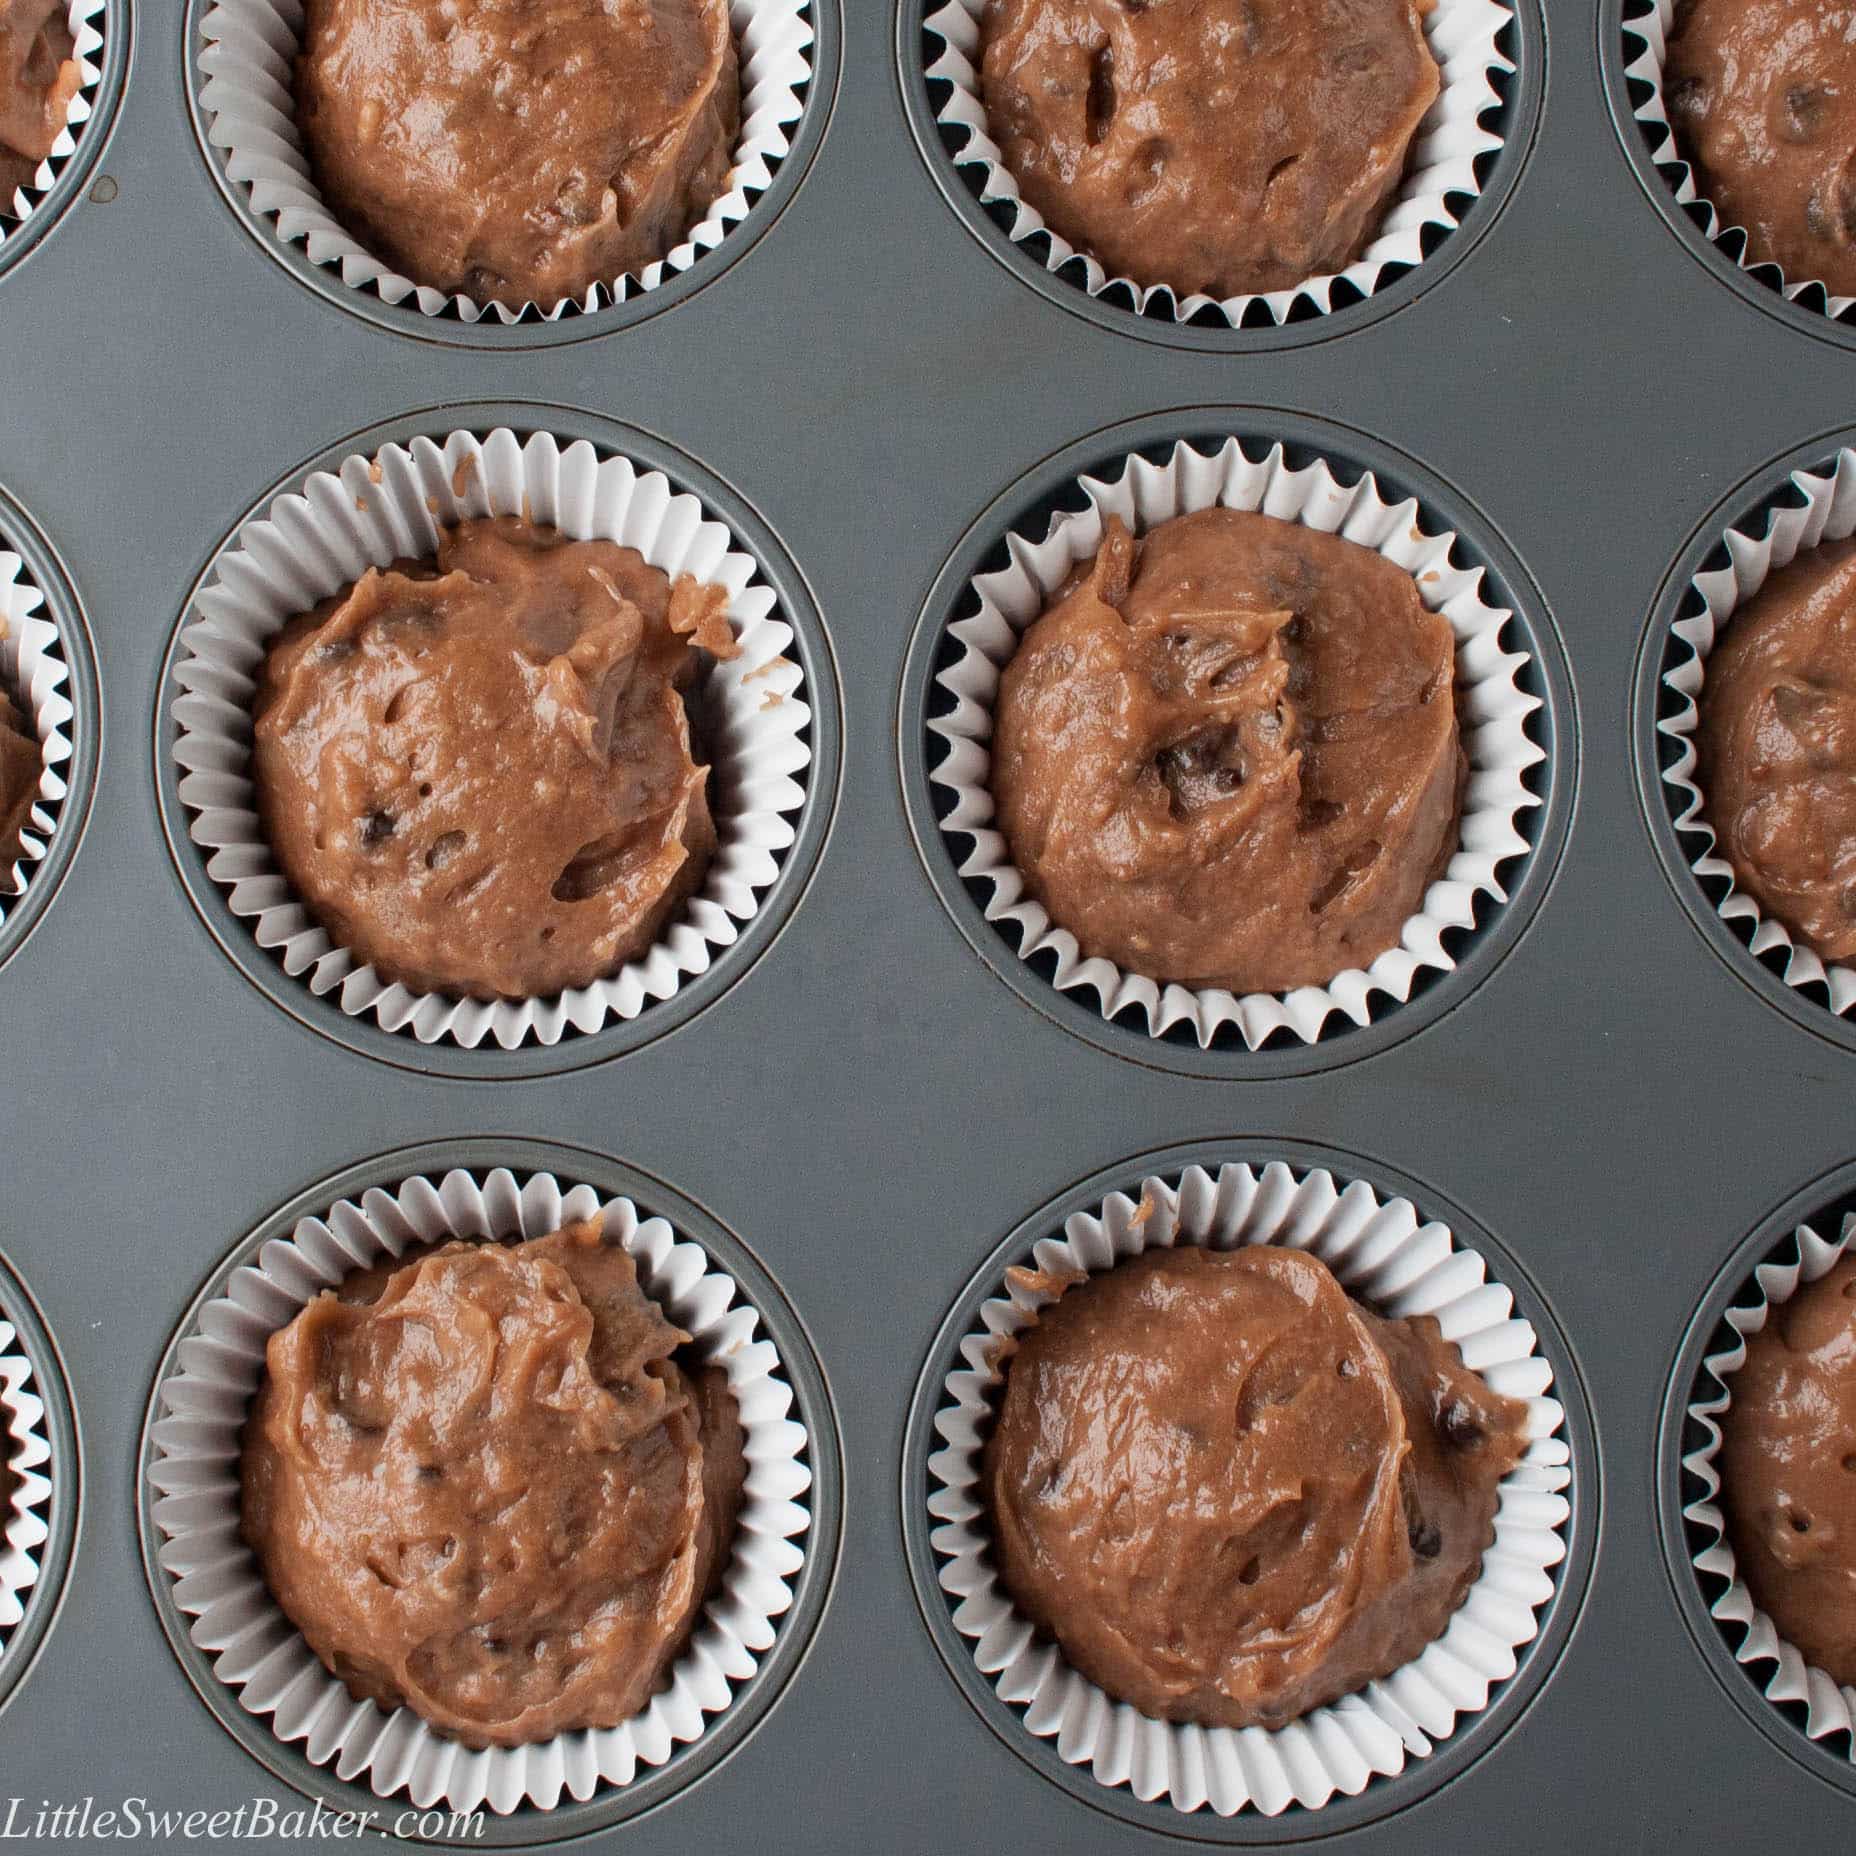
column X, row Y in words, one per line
column 1495, row 708
column 193, row 1472
column 1385, row 1252
column 753, row 712
column 1467, row 38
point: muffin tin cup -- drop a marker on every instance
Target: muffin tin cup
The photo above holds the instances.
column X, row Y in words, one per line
column 38, row 1517
column 755, row 713
column 1497, row 705
column 237, row 1637
column 1449, row 161
column 1796, row 506
column 101, row 31
column 1829, row 1707
column 1636, row 36
column 1798, row 1707
column 1402, row 1263
column 244, row 104
column 48, row 668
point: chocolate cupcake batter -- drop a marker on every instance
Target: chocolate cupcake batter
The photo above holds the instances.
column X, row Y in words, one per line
column 20, row 766
column 1233, row 1494
column 1777, row 747
column 1227, row 755
column 1788, row 1470
column 39, row 76
column 478, row 771
column 1223, row 146
column 519, row 153
column 1761, row 95
column 482, row 1487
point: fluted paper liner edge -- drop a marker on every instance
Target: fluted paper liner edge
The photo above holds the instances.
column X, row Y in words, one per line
column 1463, row 36
column 1493, row 712
column 1830, row 1707
column 85, row 19
column 1651, row 31
column 309, row 544
column 257, row 1652
column 24, row 1528
column 1828, row 514
column 35, row 673
column 248, row 64
column 1383, row 1252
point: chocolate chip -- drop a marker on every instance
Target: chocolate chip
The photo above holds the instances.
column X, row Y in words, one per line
column 1426, row 1541
column 376, row 829
column 1459, row 1425
column 1203, row 768
column 1803, row 112
column 1282, row 168
column 1100, row 109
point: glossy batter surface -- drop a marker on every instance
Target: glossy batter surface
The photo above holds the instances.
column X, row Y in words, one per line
column 1233, row 1494
column 478, row 770
column 1762, row 97
column 1777, row 747
column 481, row 1486
column 20, row 767
column 1227, row 754
column 519, row 150
column 1788, row 1470
column 38, row 78
column 1223, row 146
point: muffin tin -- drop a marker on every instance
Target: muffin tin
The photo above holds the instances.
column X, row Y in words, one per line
column 871, row 383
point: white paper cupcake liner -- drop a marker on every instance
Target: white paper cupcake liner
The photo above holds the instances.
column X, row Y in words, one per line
column 257, row 1652
column 1646, row 40
column 1384, row 1253
column 751, row 713
column 249, row 103
column 1828, row 513
column 24, row 1528
column 1493, row 711
column 86, row 19
column 1830, row 1708
column 34, row 673
column 1463, row 36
